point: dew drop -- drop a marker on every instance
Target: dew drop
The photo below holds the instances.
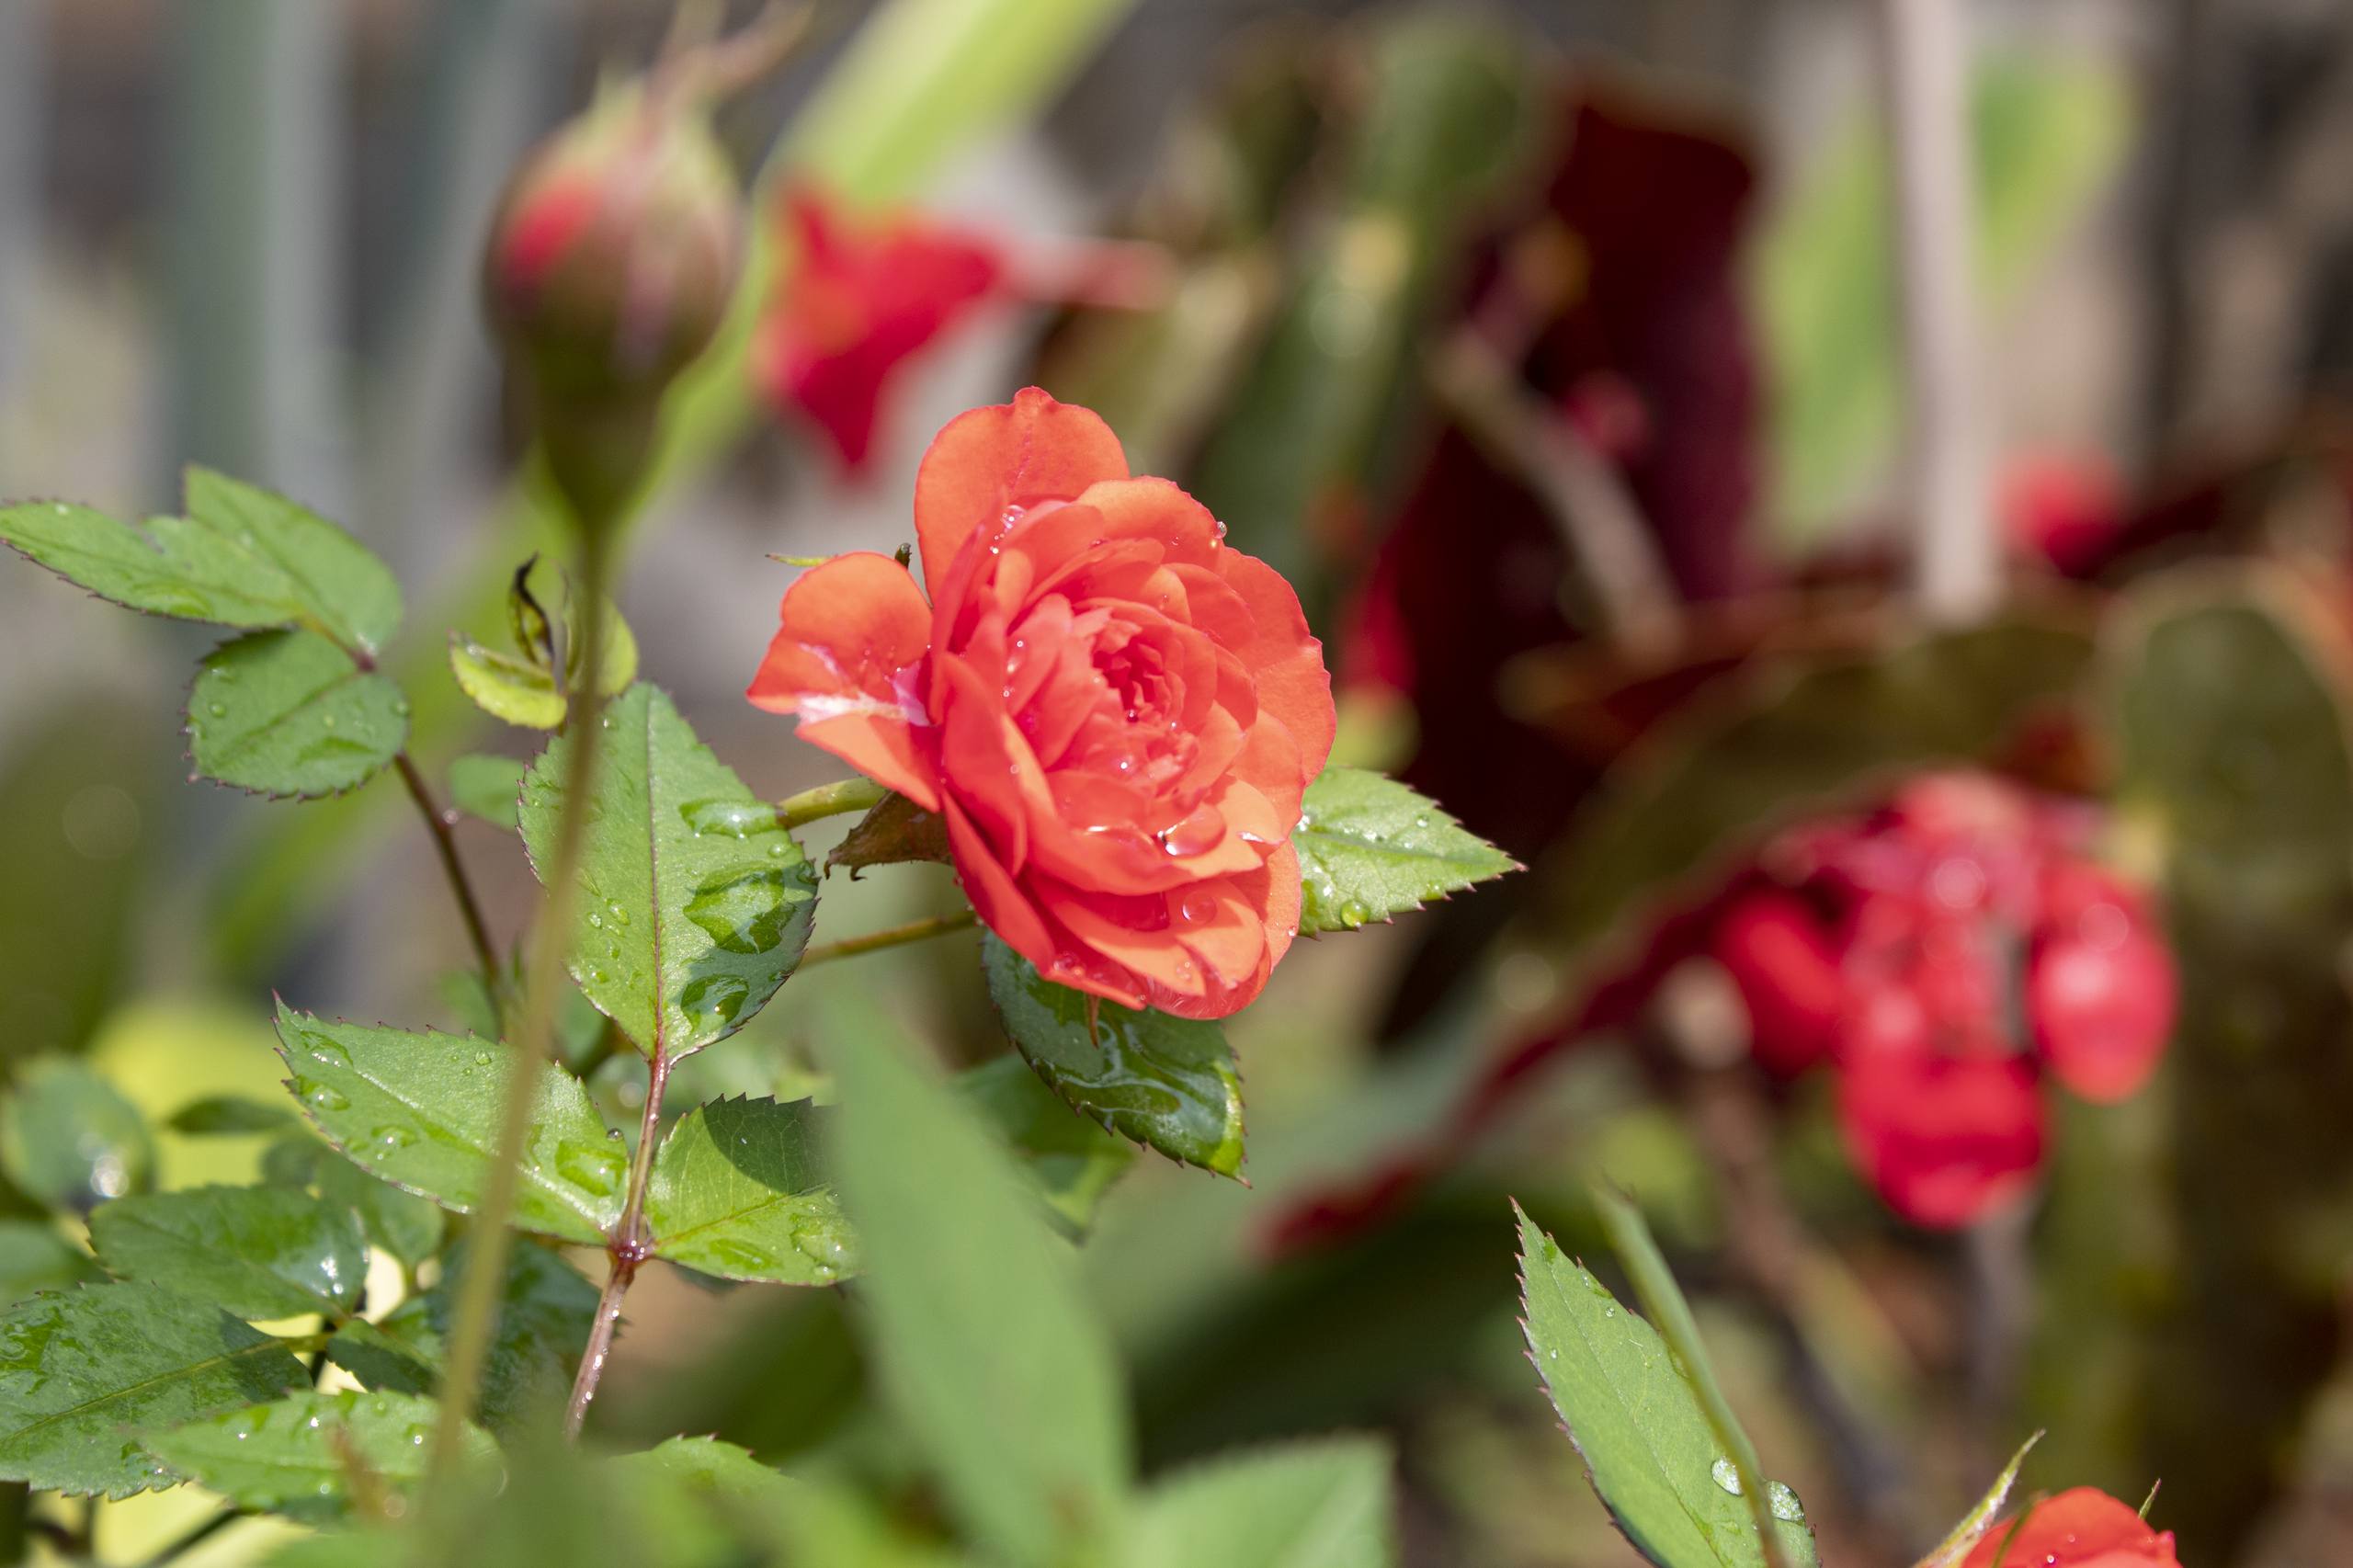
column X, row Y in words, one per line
column 1726, row 1475
column 1783, row 1502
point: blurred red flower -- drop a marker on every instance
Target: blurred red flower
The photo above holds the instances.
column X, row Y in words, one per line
column 858, row 299
column 1942, row 954
column 2079, row 1529
column 1115, row 715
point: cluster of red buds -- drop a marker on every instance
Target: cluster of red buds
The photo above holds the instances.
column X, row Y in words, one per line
column 1943, row 956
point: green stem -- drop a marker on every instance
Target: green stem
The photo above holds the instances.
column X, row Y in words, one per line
column 476, row 1315
column 891, row 937
column 203, row 1532
column 627, row 1247
column 829, row 801
column 445, row 845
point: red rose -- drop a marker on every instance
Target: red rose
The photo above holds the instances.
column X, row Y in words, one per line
column 1945, row 1137
column 2081, row 1529
column 1786, row 969
column 1115, row 715
column 854, row 304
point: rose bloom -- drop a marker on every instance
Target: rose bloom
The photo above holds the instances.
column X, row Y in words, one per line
column 1114, row 714
column 2081, row 1529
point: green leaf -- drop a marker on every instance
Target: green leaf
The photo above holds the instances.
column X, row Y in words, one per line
column 1974, row 1525
column 228, row 1116
column 338, row 584
column 421, row 1111
column 1788, row 738
column 1320, row 1504
column 974, row 1310
column 1370, row 849
column 34, row 1257
column 1167, row 1081
column 487, row 788
column 300, row 1456
column 408, row 1227
column 736, row 1191
column 1071, row 1162
column 287, row 713
column 1646, row 1443
column 543, row 1321
column 505, row 687
column 693, row 904
column 620, row 649
column 242, row 557
column 259, row 1252
column 69, row 1139
column 81, row 1373
column 1670, row 1314
column 700, row 1497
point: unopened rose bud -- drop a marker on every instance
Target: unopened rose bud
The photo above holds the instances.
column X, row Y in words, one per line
column 616, row 247
column 610, row 268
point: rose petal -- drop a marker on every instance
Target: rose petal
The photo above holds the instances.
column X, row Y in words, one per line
column 1286, row 663
column 846, row 659
column 997, row 898
column 989, row 460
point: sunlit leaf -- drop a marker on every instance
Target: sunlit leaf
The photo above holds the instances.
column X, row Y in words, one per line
column 736, row 1191
column 693, row 905
column 287, row 713
column 302, row 1456
column 80, row 1371
column 241, row 557
column 977, row 1321
column 1323, row 1505
column 421, row 1111
column 505, row 687
column 1167, row 1082
column 259, row 1252
column 1370, row 849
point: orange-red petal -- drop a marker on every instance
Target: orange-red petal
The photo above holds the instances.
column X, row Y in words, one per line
column 990, row 461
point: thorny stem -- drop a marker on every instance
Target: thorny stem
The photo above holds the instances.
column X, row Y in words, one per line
column 444, row 843
column 627, row 1248
column 476, row 1313
column 829, row 801
column 890, row 936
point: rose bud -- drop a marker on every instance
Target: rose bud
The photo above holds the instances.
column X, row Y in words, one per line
column 856, row 302
column 616, row 247
column 1780, row 960
column 2079, row 1529
column 1944, row 1137
column 1116, row 715
column 610, row 268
